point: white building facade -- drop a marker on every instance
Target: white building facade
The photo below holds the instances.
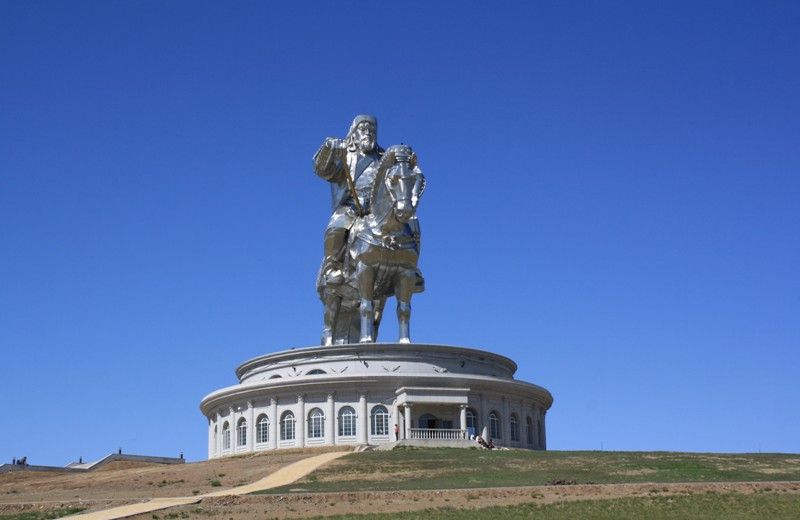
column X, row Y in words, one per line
column 371, row 394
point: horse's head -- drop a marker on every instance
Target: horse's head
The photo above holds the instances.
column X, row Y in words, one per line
column 397, row 176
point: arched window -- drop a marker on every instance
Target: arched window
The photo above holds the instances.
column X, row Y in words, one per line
column 276, row 376
column 262, row 429
column 226, row 436
column 514, row 423
column 529, row 429
column 241, row 433
column 347, row 422
column 472, row 422
column 380, row 420
column 316, row 424
column 316, row 372
column 494, row 426
column 287, row 426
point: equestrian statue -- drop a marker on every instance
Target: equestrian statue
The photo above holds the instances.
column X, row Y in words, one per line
column 372, row 240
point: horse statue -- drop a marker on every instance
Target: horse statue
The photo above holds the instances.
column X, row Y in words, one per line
column 381, row 256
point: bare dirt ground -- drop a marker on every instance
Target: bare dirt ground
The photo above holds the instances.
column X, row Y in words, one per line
column 124, row 483
column 324, row 504
column 128, row 482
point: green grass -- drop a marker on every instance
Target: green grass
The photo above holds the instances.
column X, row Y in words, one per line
column 418, row 469
column 43, row 515
column 690, row 507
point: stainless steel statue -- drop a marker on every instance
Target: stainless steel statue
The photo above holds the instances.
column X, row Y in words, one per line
column 372, row 241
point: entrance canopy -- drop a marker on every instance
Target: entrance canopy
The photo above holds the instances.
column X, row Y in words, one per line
column 431, row 395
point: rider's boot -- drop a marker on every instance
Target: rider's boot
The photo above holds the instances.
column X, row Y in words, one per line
column 419, row 284
column 335, row 239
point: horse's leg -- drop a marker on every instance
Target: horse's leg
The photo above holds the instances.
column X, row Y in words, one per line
column 366, row 287
column 379, row 305
column 404, row 288
column 332, row 304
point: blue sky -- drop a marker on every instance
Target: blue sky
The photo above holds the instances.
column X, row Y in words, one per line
column 613, row 202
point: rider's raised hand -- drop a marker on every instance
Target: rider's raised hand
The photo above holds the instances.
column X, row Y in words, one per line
column 338, row 145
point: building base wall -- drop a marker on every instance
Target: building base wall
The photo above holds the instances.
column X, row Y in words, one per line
column 375, row 394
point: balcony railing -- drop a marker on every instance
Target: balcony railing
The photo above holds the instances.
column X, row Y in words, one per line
column 437, row 434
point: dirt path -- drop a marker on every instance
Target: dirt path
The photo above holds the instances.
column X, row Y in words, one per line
column 281, row 477
column 214, row 490
column 131, row 483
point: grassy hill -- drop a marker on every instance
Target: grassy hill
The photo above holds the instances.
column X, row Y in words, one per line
column 438, row 484
column 413, row 469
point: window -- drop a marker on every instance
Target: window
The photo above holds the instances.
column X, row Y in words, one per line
column 316, row 424
column 494, row 426
column 226, row 436
column 514, row 422
column 241, row 433
column 380, row 421
column 316, row 372
column 262, row 429
column 347, row 422
column 529, row 429
column 287, row 426
column 472, row 422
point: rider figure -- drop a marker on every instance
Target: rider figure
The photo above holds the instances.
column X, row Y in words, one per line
column 360, row 151
column 362, row 155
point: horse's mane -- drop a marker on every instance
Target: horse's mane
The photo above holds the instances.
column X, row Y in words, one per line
column 388, row 160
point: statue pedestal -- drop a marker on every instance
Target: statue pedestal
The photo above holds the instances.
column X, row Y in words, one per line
column 357, row 393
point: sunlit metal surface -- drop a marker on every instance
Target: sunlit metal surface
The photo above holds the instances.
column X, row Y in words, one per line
column 372, row 240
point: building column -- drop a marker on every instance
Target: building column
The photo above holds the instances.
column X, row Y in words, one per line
column 330, row 420
column 483, row 417
column 212, row 439
column 462, row 417
column 219, row 432
column 251, row 423
column 300, row 422
column 543, row 442
column 274, row 423
column 395, row 419
column 537, row 438
column 505, row 423
column 362, row 419
column 407, row 421
column 232, row 428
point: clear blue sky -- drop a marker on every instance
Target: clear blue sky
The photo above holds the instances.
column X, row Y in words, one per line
column 613, row 202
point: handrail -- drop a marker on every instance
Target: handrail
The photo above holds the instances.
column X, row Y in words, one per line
column 437, row 434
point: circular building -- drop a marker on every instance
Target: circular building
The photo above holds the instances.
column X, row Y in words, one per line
column 372, row 394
